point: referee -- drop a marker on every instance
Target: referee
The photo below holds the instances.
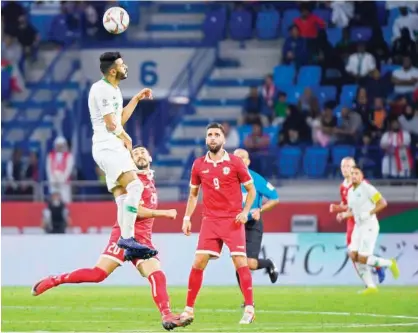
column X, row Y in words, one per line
column 254, row 226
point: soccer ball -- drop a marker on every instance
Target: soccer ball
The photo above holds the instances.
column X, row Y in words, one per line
column 116, row 20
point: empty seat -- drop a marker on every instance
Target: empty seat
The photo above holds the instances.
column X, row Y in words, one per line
column 289, row 161
column 315, row 161
column 294, row 93
column 387, row 34
column 214, row 25
column 267, row 25
column 334, row 35
column 240, row 25
column 388, row 68
column 348, row 94
column 360, row 34
column 309, row 76
column 42, row 24
column 288, row 17
column 340, row 151
column 283, row 75
column 326, row 93
column 243, row 132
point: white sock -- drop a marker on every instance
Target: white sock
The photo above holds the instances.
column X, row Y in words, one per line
column 119, row 203
column 366, row 275
column 378, row 262
column 360, row 271
column 130, row 207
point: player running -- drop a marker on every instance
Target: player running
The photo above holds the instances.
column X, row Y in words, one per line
column 254, row 225
column 364, row 202
column 220, row 176
column 113, row 257
column 347, row 163
column 112, row 146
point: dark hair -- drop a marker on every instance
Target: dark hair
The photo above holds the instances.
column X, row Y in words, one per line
column 137, row 146
column 216, row 125
column 358, row 168
column 107, row 60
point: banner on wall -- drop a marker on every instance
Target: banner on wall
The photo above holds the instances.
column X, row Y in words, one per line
column 302, row 259
column 147, row 68
column 396, row 218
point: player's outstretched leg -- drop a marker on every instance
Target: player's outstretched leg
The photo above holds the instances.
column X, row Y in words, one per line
column 381, row 274
column 375, row 261
column 82, row 275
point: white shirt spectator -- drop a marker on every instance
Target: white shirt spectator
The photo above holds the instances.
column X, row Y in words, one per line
column 409, row 21
column 412, row 5
column 232, row 140
column 402, row 74
column 360, row 64
column 342, row 13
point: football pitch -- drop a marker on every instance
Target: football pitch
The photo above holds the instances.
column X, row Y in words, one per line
column 278, row 309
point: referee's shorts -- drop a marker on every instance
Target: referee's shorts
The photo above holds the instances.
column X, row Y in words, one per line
column 253, row 238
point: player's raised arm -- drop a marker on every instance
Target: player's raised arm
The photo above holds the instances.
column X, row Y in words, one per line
column 147, row 213
column 130, row 107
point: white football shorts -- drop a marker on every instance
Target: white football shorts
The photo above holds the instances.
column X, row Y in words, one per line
column 363, row 238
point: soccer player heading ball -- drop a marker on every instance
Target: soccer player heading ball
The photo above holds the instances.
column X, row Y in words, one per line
column 220, row 176
column 112, row 146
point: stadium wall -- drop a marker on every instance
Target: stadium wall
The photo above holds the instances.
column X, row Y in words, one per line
column 397, row 218
column 302, row 259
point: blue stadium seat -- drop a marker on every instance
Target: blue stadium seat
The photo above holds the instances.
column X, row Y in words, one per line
column 243, row 132
column 324, row 14
column 348, row 94
column 337, row 110
column 288, row 17
column 326, row 93
column 393, row 15
column 240, row 25
column 334, row 35
column 133, row 8
column 273, row 133
column 309, row 76
column 360, row 34
column 294, row 93
column 341, row 151
column 315, row 161
column 59, row 31
column 288, row 161
column 267, row 25
column 42, row 23
column 283, row 75
column 214, row 25
column 386, row 68
column 387, row 35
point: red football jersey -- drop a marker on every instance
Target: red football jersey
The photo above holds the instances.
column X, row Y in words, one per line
column 149, row 200
column 221, row 184
column 344, row 187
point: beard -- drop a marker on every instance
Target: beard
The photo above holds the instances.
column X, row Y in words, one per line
column 215, row 149
column 121, row 76
column 142, row 165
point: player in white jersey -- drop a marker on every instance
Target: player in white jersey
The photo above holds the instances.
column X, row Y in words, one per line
column 112, row 146
column 364, row 202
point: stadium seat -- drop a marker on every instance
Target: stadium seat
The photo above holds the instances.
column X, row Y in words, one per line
column 243, row 132
column 288, row 17
column 42, row 23
column 272, row 132
column 214, row 25
column 309, row 76
column 393, row 15
column 337, row 111
column 324, row 14
column 360, row 34
column 326, row 93
column 341, row 151
column 348, row 94
column 294, row 93
column 387, row 68
column 283, row 75
column 289, row 161
column 315, row 161
column 334, row 35
column 267, row 25
column 240, row 25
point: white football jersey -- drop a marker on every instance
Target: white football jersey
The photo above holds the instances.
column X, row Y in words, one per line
column 362, row 199
column 104, row 99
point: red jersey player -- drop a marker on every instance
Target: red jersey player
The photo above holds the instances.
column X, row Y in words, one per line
column 347, row 163
column 113, row 256
column 220, row 176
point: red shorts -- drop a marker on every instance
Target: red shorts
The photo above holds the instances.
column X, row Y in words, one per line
column 112, row 251
column 350, row 228
column 214, row 232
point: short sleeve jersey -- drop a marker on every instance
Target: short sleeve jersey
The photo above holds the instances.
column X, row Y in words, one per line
column 104, row 99
column 221, row 184
column 363, row 199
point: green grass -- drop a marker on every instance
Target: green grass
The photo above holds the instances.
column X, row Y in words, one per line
column 114, row 309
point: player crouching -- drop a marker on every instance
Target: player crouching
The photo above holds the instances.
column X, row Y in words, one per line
column 364, row 202
column 113, row 256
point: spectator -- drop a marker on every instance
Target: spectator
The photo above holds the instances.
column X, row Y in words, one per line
column 56, row 217
column 252, row 109
column 377, row 86
column 308, row 23
column 280, row 109
column 368, row 155
column 257, row 141
column 325, row 133
column 342, row 13
column 268, row 92
column 294, row 48
column 28, row 37
column 290, row 139
column 60, row 164
column 405, row 20
column 404, row 46
column 11, row 50
column 361, row 63
column 345, row 46
column 295, row 121
column 377, row 45
column 415, row 96
column 10, row 14
column 397, row 161
column 405, row 79
column 31, row 173
column 349, row 130
column 409, row 121
column 363, row 108
column 308, row 101
column 14, row 173
column 379, row 116
column 231, row 136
